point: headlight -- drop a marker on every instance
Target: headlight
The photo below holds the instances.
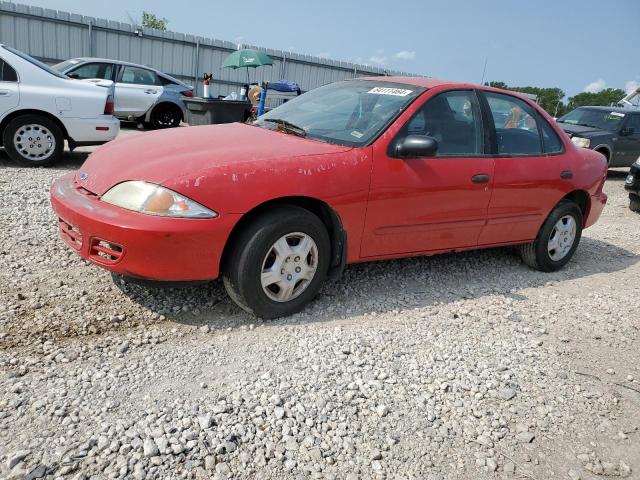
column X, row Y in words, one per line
column 581, row 142
column 153, row 199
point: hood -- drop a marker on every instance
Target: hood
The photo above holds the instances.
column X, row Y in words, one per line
column 164, row 156
column 581, row 130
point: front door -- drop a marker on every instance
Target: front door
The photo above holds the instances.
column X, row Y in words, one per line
column 137, row 90
column 419, row 205
column 627, row 143
column 9, row 92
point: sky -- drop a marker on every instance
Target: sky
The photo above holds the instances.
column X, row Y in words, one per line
column 576, row 45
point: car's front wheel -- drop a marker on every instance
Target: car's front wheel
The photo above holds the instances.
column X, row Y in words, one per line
column 278, row 262
column 33, row 140
column 557, row 239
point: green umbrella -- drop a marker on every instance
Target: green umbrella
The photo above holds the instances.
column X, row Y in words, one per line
column 247, row 58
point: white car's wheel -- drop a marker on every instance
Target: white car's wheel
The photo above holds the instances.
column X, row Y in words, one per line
column 33, row 140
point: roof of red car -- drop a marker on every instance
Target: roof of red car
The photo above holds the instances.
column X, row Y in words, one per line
column 419, row 81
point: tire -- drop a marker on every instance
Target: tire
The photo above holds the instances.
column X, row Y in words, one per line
column 165, row 116
column 254, row 255
column 634, row 203
column 540, row 254
column 33, row 140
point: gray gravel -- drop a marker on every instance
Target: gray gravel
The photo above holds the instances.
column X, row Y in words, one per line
column 466, row 366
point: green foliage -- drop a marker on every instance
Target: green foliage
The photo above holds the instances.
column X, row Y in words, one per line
column 548, row 98
column 603, row 98
column 150, row 20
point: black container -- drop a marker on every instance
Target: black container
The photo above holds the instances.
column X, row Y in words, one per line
column 210, row 111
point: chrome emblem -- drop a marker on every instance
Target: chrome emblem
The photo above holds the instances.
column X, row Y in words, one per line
column 83, row 176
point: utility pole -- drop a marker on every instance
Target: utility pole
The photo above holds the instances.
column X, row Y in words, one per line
column 484, row 70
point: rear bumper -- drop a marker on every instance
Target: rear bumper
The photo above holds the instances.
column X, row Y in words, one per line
column 598, row 201
column 138, row 245
column 92, row 131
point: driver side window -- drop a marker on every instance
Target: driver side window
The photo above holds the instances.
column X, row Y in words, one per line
column 453, row 120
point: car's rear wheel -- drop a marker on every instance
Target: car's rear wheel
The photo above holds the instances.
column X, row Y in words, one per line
column 557, row 239
column 165, row 116
column 278, row 262
column 634, row 202
column 33, row 140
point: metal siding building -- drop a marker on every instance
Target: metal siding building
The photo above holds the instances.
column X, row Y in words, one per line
column 53, row 36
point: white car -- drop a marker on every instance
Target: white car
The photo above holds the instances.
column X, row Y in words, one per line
column 41, row 108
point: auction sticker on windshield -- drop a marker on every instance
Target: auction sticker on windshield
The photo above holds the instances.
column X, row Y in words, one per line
column 398, row 92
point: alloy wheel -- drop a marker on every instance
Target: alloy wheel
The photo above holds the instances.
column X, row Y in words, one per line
column 34, row 142
column 562, row 238
column 289, row 266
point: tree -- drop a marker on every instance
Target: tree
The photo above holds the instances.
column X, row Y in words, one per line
column 150, row 20
column 604, row 98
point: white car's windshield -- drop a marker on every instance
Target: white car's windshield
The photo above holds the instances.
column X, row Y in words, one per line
column 35, row 62
column 350, row 113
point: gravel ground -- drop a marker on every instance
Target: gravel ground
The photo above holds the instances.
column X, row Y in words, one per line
column 467, row 366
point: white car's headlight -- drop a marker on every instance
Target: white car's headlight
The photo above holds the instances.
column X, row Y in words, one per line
column 153, row 199
column 581, row 142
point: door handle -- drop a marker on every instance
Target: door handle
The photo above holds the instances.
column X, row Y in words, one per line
column 150, row 91
column 567, row 174
column 4, row 93
column 480, row 178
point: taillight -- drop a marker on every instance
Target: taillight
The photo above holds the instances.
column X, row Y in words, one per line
column 108, row 107
column 187, row 93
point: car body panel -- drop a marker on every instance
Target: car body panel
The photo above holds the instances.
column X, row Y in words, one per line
column 388, row 207
column 135, row 100
column 79, row 106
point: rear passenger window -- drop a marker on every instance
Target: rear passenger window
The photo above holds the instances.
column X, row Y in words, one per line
column 550, row 139
column 453, row 119
column 7, row 73
column 139, row 76
column 516, row 127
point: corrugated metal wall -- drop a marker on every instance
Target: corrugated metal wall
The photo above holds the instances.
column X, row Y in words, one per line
column 53, row 36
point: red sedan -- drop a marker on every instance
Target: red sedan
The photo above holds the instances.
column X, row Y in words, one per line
column 360, row 170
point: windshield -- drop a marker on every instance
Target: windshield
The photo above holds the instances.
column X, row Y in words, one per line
column 35, row 62
column 596, row 118
column 350, row 113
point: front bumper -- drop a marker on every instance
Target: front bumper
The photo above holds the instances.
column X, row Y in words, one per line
column 632, row 182
column 135, row 244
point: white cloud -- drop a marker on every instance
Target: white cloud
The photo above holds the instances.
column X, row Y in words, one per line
column 378, row 59
column 631, row 86
column 595, row 87
column 380, row 51
column 405, row 55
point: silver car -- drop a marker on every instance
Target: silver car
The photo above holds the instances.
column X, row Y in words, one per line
column 142, row 94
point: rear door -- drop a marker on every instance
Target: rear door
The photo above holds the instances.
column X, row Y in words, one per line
column 9, row 91
column 532, row 172
column 438, row 203
column 137, row 90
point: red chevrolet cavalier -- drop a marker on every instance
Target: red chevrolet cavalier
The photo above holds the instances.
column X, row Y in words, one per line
column 365, row 169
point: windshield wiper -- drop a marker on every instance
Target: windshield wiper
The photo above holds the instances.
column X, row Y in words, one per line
column 287, row 126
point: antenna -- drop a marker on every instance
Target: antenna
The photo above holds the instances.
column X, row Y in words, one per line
column 484, row 70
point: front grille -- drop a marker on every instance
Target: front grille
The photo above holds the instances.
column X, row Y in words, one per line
column 104, row 251
column 70, row 234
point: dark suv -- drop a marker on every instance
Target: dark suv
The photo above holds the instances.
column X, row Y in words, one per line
column 612, row 131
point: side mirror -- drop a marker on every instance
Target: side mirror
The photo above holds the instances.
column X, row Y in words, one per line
column 73, row 75
column 627, row 131
column 416, row 146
